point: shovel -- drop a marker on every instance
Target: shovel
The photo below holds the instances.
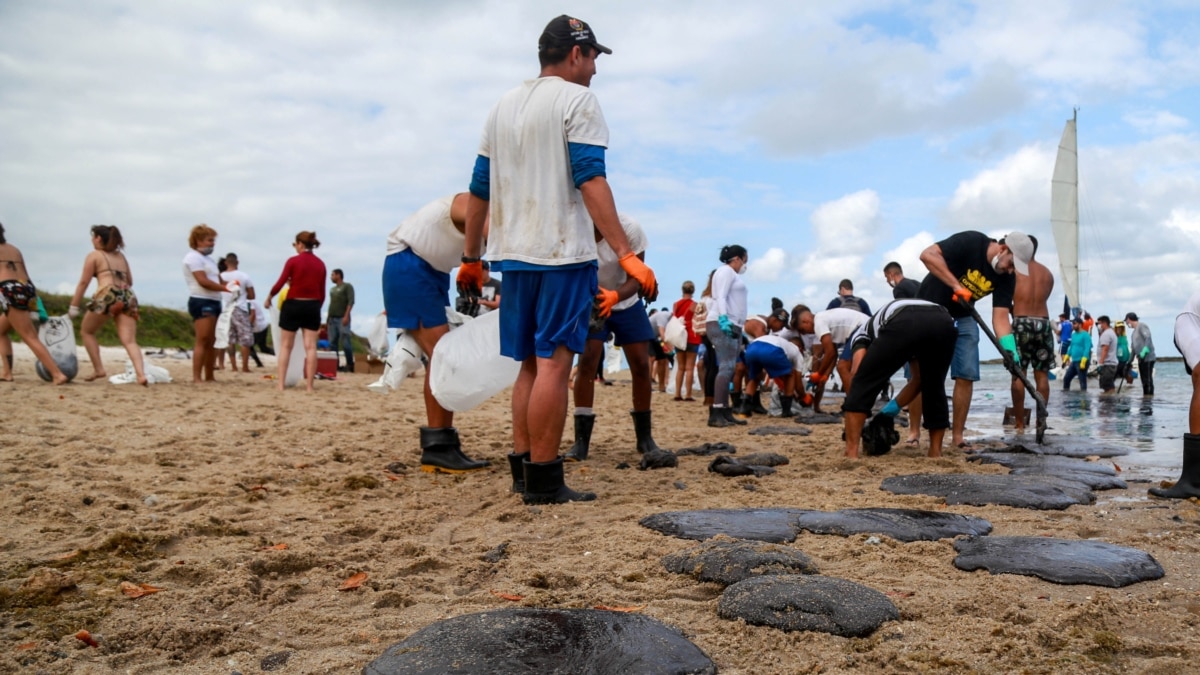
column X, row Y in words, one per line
column 1016, row 372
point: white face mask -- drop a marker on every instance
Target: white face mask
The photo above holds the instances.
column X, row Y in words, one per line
column 996, row 262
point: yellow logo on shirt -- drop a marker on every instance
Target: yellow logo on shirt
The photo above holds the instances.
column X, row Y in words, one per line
column 977, row 283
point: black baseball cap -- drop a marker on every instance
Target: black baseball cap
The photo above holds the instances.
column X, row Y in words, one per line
column 1131, row 317
column 567, row 31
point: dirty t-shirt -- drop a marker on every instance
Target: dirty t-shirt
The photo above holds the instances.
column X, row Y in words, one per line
column 966, row 256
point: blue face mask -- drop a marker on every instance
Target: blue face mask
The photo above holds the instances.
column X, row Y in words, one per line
column 206, row 250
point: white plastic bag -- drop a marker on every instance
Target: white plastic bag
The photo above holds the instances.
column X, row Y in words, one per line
column 377, row 339
column 612, row 359
column 58, row 334
column 295, row 369
column 675, row 333
column 467, row 368
column 154, row 374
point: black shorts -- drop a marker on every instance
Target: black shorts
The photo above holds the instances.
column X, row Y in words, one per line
column 656, row 350
column 297, row 314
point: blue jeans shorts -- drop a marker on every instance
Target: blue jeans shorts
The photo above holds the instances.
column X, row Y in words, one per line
column 965, row 365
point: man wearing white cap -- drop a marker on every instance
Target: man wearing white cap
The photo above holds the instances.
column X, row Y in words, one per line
column 962, row 269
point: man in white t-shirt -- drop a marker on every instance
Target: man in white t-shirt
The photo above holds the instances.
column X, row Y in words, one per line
column 833, row 329
column 540, row 175
column 421, row 251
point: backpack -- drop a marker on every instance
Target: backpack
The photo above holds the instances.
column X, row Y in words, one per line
column 700, row 318
column 851, row 302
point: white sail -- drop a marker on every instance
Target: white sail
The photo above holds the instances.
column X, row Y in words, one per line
column 1064, row 212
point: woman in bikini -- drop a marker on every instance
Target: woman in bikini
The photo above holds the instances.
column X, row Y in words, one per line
column 114, row 297
column 18, row 298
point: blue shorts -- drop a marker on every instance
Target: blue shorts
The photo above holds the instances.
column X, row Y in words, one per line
column 415, row 295
column 762, row 356
column 965, row 365
column 627, row 326
column 847, row 350
column 203, row 307
column 545, row 309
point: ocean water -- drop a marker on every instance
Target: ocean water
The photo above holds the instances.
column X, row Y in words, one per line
column 1152, row 427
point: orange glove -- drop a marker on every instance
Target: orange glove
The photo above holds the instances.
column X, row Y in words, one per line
column 961, row 295
column 605, row 301
column 817, row 378
column 470, row 278
column 637, row 270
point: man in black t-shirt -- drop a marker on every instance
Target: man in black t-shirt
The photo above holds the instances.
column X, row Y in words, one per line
column 966, row 267
column 902, row 287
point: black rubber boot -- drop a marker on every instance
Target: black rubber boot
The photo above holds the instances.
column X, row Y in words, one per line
column 516, row 465
column 739, row 405
column 716, row 417
column 756, row 405
column 1188, row 484
column 785, row 402
column 729, row 417
column 583, row 438
column 441, row 452
column 544, row 484
column 653, row 457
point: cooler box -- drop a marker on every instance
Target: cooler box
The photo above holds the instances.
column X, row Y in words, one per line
column 327, row 363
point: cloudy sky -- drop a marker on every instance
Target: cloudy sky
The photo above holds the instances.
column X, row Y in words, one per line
column 827, row 138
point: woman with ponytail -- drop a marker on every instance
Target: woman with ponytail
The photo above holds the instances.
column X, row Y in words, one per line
column 724, row 329
column 304, row 274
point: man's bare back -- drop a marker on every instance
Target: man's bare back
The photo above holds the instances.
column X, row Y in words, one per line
column 1032, row 291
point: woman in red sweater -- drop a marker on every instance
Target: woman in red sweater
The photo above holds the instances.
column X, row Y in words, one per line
column 304, row 274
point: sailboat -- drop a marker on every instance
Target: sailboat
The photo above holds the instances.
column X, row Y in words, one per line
column 1064, row 215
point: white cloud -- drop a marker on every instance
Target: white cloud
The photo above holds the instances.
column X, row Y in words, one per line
column 1156, row 121
column 770, row 266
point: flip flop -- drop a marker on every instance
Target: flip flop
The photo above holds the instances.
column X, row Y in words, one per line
column 677, row 399
column 912, row 442
column 690, row 399
column 965, row 445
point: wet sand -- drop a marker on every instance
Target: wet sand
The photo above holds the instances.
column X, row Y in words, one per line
column 249, row 508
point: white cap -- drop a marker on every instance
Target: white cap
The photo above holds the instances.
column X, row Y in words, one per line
column 1022, row 249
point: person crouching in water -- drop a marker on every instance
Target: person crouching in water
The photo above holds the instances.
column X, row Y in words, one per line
column 421, row 251
column 623, row 315
column 902, row 331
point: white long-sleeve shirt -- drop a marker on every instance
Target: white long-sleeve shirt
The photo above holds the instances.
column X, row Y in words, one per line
column 729, row 296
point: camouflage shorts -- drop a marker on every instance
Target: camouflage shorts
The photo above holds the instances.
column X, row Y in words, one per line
column 1035, row 342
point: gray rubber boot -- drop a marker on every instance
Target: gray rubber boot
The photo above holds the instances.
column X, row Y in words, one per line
column 441, row 452
column 517, row 467
column 544, row 484
column 1188, row 484
column 583, row 438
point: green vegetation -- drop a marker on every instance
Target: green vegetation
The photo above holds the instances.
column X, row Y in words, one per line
column 157, row 328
